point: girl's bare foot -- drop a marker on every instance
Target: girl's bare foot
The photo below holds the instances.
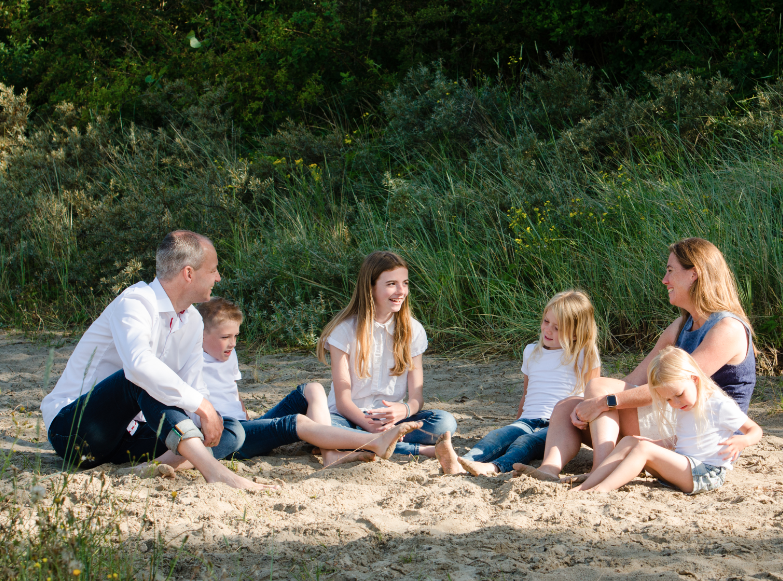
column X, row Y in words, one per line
column 575, row 479
column 336, row 457
column 385, row 444
column 520, row 469
column 236, row 481
column 479, row 468
column 444, row 452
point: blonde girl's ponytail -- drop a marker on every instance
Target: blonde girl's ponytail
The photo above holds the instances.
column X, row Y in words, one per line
column 362, row 308
column 578, row 333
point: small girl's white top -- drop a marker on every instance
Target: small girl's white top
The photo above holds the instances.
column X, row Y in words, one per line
column 368, row 393
column 221, row 379
column 549, row 381
column 723, row 419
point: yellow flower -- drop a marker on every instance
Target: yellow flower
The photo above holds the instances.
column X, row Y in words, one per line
column 77, row 572
column 298, row 161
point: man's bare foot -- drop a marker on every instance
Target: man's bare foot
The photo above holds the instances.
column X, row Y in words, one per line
column 336, row 457
column 384, row 445
column 444, row 452
column 479, row 468
column 520, row 469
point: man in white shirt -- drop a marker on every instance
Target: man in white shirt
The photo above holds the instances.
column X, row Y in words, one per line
column 143, row 355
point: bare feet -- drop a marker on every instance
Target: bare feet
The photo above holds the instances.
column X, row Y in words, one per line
column 479, row 468
column 520, row 469
column 149, row 470
column 236, row 481
column 575, row 479
column 444, row 452
column 336, row 457
column 385, row 444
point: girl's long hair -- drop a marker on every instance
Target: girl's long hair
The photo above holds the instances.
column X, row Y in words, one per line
column 673, row 364
column 714, row 289
column 362, row 307
column 577, row 330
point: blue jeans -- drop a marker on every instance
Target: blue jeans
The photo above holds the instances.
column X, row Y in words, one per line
column 275, row 428
column 436, row 422
column 523, row 441
column 94, row 426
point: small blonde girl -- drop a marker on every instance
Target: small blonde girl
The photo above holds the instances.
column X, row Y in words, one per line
column 704, row 422
column 376, row 349
column 557, row 366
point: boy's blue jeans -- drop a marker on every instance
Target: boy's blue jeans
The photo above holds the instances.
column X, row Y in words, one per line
column 520, row 442
column 277, row 427
column 436, row 422
column 94, row 426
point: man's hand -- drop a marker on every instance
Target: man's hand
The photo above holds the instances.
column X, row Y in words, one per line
column 586, row 411
column 211, row 423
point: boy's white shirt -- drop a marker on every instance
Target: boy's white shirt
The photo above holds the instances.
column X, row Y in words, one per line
column 723, row 419
column 221, row 379
column 549, row 381
column 139, row 332
column 369, row 393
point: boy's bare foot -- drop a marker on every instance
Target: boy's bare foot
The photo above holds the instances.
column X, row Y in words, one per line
column 336, row 457
column 444, row 452
column 386, row 442
column 520, row 469
column 479, row 468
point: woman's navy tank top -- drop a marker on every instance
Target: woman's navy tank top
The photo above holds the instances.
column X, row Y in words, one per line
column 738, row 381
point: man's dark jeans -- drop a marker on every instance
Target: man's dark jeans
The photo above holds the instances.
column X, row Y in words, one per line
column 92, row 430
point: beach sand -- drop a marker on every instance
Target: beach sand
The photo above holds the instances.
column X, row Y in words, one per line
column 402, row 518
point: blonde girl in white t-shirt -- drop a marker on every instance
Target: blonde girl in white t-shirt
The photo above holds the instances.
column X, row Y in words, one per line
column 559, row 365
column 376, row 349
column 704, row 422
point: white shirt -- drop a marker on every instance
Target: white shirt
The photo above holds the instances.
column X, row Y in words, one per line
column 723, row 419
column 549, row 381
column 221, row 379
column 368, row 393
column 141, row 333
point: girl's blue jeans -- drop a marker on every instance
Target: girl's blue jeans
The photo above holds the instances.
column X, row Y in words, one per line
column 92, row 429
column 436, row 422
column 520, row 442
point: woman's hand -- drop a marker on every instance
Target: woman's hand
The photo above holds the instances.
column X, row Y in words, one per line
column 389, row 415
column 586, row 411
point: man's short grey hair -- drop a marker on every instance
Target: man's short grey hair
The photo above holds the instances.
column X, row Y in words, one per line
column 179, row 249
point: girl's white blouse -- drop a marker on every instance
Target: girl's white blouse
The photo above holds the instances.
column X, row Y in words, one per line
column 369, row 393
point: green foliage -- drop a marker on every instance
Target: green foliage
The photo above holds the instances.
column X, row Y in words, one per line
column 291, row 58
column 496, row 203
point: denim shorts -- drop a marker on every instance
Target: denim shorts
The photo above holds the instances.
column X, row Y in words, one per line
column 705, row 476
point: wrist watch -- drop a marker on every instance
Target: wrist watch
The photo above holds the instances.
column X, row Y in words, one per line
column 611, row 401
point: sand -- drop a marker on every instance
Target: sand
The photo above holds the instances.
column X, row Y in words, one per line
column 402, row 518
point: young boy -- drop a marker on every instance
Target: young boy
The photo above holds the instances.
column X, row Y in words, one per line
column 281, row 425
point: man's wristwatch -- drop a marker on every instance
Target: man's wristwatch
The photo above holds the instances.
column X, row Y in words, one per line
column 611, row 401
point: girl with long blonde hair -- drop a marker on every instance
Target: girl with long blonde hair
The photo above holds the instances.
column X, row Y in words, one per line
column 712, row 326
column 560, row 364
column 704, row 424
column 376, row 349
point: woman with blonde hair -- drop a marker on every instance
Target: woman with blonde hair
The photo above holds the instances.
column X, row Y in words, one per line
column 376, row 349
column 703, row 420
column 712, row 327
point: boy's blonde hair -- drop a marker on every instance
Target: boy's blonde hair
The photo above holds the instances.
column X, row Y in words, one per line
column 577, row 330
column 362, row 306
column 673, row 364
column 217, row 310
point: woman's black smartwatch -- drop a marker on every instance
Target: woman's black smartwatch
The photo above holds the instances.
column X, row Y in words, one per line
column 611, row 401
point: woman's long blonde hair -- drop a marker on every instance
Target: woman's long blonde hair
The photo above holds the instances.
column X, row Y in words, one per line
column 673, row 364
column 577, row 330
column 714, row 289
column 362, row 306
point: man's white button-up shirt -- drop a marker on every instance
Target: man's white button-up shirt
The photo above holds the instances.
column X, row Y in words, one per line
column 140, row 333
